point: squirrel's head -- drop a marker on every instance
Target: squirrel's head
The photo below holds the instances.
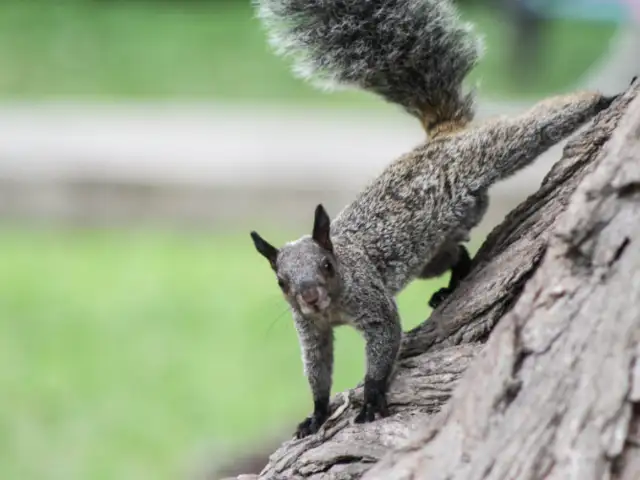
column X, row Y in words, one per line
column 306, row 269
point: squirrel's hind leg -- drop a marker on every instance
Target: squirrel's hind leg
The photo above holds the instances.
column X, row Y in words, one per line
column 444, row 261
column 453, row 255
column 460, row 268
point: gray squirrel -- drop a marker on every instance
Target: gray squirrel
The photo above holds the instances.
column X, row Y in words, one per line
column 411, row 220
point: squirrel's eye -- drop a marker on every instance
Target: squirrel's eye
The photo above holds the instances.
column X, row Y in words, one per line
column 327, row 267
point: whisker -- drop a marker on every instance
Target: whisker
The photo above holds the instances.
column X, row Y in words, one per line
column 274, row 321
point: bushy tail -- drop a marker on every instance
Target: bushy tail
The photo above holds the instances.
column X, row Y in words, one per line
column 415, row 53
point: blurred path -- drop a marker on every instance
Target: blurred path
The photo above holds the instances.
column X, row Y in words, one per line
column 202, row 164
column 215, row 165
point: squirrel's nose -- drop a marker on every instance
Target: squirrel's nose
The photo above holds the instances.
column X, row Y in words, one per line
column 310, row 295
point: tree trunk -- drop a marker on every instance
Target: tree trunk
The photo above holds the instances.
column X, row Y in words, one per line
column 554, row 393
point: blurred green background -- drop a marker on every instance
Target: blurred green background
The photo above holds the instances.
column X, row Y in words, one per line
column 139, row 353
column 124, row 354
column 216, row 49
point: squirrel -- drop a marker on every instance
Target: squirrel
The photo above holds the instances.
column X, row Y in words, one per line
column 410, row 221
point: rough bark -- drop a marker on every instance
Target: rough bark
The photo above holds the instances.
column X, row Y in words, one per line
column 554, row 392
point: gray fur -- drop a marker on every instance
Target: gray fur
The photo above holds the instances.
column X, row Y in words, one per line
column 429, row 199
column 415, row 53
column 409, row 221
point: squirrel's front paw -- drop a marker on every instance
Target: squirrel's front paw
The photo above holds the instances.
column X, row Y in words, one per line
column 310, row 425
column 439, row 297
column 375, row 402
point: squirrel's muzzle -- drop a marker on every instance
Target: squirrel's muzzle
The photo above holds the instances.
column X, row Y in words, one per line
column 310, row 295
column 313, row 299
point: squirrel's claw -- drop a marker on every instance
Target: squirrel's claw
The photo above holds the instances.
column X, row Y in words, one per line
column 365, row 415
column 438, row 297
column 368, row 413
column 375, row 404
column 310, row 425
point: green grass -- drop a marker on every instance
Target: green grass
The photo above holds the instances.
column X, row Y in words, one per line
column 123, row 355
column 146, row 49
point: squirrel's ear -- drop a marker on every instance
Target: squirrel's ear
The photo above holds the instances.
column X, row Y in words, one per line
column 322, row 229
column 265, row 249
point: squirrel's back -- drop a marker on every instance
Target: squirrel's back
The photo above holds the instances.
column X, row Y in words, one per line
column 415, row 53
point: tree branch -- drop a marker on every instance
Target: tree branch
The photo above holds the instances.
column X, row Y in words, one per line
column 554, row 371
column 560, row 377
